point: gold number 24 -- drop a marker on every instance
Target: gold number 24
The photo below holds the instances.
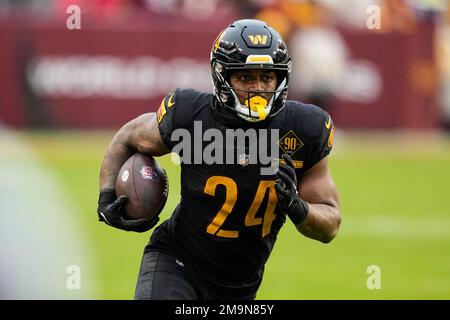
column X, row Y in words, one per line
column 230, row 200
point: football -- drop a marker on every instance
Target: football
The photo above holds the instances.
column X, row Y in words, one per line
column 145, row 182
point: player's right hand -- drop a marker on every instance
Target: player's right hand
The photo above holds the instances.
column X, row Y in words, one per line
column 110, row 211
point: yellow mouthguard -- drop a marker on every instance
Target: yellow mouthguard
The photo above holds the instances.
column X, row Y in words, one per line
column 257, row 103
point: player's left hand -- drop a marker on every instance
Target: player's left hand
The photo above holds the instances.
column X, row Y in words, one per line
column 289, row 200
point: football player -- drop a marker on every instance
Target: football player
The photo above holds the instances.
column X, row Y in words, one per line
column 220, row 235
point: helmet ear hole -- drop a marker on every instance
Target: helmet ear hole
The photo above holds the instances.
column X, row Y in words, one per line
column 218, row 67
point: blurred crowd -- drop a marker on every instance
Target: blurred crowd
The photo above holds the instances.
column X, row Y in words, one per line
column 310, row 26
column 285, row 15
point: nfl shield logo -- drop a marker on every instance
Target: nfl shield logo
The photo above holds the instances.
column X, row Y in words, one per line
column 148, row 174
column 243, row 159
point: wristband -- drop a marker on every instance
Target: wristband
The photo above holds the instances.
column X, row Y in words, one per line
column 298, row 211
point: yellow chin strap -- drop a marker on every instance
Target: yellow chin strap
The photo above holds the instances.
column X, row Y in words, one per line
column 257, row 103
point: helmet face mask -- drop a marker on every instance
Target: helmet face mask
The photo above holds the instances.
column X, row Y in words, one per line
column 245, row 45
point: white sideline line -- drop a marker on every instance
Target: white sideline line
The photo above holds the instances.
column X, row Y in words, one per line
column 39, row 232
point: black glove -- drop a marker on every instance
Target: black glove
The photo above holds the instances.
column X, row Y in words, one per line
column 110, row 210
column 288, row 199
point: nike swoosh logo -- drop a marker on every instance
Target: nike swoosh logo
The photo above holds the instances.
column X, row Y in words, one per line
column 328, row 123
column 105, row 218
column 170, row 103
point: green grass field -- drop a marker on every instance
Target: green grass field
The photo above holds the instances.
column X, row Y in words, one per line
column 394, row 191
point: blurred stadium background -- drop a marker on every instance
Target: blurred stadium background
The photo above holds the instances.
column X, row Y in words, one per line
column 65, row 92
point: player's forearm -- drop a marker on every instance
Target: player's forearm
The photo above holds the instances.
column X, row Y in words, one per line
column 322, row 222
column 118, row 152
column 138, row 135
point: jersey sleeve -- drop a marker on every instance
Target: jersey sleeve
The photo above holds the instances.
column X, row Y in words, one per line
column 165, row 117
column 321, row 140
column 177, row 111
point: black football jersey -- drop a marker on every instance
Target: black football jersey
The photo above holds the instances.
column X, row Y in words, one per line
column 227, row 222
